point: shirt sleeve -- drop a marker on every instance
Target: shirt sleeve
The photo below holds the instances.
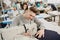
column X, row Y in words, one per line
column 39, row 25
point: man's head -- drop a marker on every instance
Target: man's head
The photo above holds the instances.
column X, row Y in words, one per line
column 30, row 13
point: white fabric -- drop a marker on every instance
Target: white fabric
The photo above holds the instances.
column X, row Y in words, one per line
column 54, row 13
column 49, row 25
column 15, row 13
column 21, row 37
column 7, row 2
column 32, row 28
column 16, row 33
column 10, row 33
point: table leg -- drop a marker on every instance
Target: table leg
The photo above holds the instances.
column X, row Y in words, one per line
column 59, row 21
column 54, row 18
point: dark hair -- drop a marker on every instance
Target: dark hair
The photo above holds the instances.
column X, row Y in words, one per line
column 17, row 2
column 33, row 9
column 3, row 4
column 25, row 4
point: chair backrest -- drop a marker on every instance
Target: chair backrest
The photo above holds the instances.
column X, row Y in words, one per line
column 54, row 8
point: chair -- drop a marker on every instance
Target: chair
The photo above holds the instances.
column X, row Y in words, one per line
column 53, row 7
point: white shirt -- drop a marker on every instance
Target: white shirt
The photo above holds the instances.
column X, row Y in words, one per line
column 18, row 6
column 15, row 13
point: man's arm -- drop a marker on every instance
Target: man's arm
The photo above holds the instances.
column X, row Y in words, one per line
column 37, row 21
column 41, row 31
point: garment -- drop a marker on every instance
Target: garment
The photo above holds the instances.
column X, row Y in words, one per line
column 13, row 13
column 2, row 25
column 21, row 11
column 50, row 35
column 30, row 24
column 18, row 6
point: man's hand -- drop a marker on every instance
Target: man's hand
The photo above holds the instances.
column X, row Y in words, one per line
column 40, row 33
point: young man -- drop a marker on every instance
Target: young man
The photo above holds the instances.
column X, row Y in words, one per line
column 31, row 24
column 28, row 19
